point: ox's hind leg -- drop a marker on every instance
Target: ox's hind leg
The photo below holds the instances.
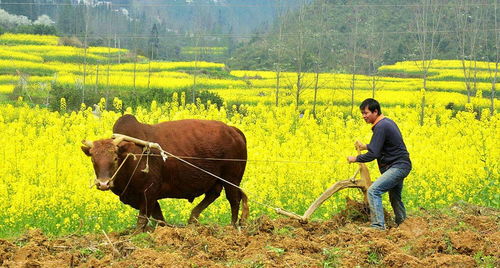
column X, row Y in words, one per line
column 210, row 197
column 244, row 210
column 234, row 196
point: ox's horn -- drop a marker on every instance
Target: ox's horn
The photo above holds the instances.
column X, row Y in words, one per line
column 88, row 143
column 117, row 139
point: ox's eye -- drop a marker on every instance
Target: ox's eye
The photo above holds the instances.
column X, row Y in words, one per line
column 115, row 159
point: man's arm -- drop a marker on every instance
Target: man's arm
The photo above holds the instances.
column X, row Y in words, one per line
column 361, row 146
column 374, row 148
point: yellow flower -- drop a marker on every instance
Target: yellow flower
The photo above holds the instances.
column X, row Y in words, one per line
column 62, row 105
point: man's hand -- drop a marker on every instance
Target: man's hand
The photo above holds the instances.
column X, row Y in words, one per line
column 360, row 145
column 351, row 159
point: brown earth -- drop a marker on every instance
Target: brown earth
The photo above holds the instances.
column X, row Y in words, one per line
column 462, row 236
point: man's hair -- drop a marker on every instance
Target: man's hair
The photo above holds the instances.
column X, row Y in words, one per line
column 372, row 105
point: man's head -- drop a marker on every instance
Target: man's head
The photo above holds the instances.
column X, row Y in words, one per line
column 370, row 109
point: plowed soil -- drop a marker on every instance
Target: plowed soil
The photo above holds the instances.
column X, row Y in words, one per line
column 461, row 236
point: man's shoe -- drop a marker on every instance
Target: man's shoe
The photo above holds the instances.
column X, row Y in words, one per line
column 371, row 229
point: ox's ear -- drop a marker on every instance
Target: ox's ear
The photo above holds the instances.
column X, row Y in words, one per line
column 125, row 147
column 86, row 150
column 87, row 145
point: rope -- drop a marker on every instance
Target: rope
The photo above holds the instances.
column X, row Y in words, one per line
column 149, row 145
column 249, row 160
column 218, row 177
column 116, row 172
column 133, row 172
column 147, row 149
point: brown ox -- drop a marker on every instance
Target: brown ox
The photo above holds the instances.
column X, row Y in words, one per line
column 172, row 178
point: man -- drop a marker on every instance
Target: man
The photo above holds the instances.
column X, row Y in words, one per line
column 387, row 146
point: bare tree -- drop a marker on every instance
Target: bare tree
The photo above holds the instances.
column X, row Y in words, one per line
column 108, row 66
column 469, row 19
column 96, row 88
column 154, row 44
column 135, row 40
column 111, row 20
column 493, row 68
column 428, row 15
column 201, row 23
column 319, row 42
column 278, row 48
column 85, row 47
column 197, row 55
column 298, row 51
column 353, row 53
column 374, row 51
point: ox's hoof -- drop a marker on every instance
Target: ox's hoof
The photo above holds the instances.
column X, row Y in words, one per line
column 143, row 229
column 193, row 221
column 303, row 221
column 160, row 223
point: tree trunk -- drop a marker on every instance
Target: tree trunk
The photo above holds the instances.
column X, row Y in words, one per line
column 134, row 77
column 107, row 73
column 149, row 69
column 427, row 21
column 422, row 109
column 299, row 88
column 97, row 79
column 278, row 74
column 497, row 56
column 354, row 44
column 315, row 92
column 85, row 53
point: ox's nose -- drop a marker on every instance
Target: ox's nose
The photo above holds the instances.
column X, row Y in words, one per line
column 103, row 185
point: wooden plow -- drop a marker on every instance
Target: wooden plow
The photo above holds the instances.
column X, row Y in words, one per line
column 363, row 184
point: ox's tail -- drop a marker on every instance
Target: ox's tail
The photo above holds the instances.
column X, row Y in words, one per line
column 244, row 208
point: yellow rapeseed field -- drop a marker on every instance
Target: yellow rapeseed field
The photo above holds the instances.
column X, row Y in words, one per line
column 45, row 178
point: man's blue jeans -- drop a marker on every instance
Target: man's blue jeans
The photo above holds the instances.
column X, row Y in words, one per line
column 391, row 181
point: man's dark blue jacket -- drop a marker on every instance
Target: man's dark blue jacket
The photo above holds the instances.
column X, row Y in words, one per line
column 387, row 146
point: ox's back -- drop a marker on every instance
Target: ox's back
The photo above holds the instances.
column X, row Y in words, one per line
column 128, row 125
column 189, row 137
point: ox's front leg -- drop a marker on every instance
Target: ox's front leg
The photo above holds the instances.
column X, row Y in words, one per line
column 146, row 210
column 148, row 207
column 158, row 215
column 142, row 219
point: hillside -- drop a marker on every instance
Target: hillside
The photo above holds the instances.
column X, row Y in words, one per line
column 169, row 25
column 362, row 35
column 239, row 16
